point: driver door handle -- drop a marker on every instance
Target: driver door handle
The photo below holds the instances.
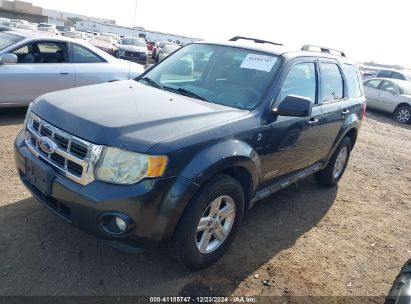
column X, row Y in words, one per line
column 345, row 112
column 313, row 121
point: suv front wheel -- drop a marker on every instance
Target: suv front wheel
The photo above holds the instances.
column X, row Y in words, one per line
column 332, row 174
column 209, row 223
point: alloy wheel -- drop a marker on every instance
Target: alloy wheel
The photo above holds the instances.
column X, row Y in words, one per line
column 340, row 162
column 215, row 224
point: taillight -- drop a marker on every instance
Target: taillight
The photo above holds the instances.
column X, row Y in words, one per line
column 363, row 110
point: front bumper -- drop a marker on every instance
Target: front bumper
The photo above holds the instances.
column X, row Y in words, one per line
column 154, row 205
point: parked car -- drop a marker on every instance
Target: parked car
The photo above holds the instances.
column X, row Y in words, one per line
column 10, row 24
column 133, row 49
column 49, row 30
column 114, row 36
column 88, row 35
column 180, row 158
column 392, row 74
column 391, row 96
column 150, row 45
column 65, row 28
column 166, row 50
column 105, row 43
column 31, row 65
column 76, row 35
column 19, row 21
column 27, row 27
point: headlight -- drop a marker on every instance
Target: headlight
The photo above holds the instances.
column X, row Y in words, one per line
column 27, row 115
column 119, row 166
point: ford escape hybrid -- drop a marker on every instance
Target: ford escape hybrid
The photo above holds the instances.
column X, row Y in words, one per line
column 179, row 154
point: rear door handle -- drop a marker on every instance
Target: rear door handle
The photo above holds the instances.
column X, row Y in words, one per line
column 313, row 122
column 345, row 112
column 64, row 73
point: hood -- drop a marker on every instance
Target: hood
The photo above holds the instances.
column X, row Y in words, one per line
column 133, row 48
column 128, row 114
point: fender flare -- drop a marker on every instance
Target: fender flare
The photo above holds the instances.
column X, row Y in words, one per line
column 221, row 156
column 351, row 122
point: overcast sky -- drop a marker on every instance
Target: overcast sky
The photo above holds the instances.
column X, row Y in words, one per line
column 366, row 30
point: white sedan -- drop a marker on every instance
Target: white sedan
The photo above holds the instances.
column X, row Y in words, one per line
column 31, row 65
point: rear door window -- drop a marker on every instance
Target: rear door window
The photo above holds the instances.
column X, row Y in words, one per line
column 353, row 82
column 332, row 86
column 396, row 75
column 83, row 55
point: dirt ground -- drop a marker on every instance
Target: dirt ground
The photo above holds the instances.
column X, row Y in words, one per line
column 346, row 241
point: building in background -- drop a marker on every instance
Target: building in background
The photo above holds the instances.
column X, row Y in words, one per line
column 24, row 10
column 135, row 32
column 21, row 10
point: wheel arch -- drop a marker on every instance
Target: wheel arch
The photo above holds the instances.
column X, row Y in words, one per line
column 401, row 105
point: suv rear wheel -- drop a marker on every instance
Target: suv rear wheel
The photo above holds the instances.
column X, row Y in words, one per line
column 209, row 223
column 332, row 174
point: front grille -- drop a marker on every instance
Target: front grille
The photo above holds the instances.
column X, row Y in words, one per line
column 70, row 155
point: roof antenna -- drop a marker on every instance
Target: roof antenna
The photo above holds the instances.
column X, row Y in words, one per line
column 132, row 42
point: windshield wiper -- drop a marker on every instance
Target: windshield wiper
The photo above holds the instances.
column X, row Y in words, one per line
column 151, row 82
column 185, row 92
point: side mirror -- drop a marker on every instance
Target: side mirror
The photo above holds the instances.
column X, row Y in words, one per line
column 391, row 90
column 8, row 59
column 293, row 105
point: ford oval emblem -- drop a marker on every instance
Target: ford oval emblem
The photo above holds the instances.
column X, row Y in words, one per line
column 47, row 145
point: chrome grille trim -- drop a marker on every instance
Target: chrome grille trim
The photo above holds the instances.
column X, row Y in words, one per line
column 87, row 163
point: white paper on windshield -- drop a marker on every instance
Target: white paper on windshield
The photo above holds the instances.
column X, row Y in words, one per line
column 258, row 62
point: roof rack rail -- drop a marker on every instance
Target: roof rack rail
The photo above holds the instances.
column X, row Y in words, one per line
column 253, row 39
column 322, row 49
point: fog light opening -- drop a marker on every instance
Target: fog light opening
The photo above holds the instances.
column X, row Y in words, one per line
column 115, row 223
column 121, row 224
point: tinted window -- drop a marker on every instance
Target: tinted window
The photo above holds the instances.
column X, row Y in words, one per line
column 83, row 55
column 384, row 74
column 331, row 82
column 301, row 81
column 353, row 83
column 374, row 83
column 387, row 84
column 396, row 75
column 42, row 52
column 7, row 40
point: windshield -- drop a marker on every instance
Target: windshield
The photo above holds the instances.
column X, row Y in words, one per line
column 131, row 41
column 7, row 40
column 219, row 74
column 405, row 88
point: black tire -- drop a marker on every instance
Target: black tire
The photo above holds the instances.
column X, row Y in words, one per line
column 326, row 177
column 184, row 242
column 406, row 114
column 400, row 288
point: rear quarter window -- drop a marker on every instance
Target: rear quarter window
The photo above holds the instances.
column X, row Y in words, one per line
column 353, row 81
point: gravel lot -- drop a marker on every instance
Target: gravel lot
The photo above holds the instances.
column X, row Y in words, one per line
column 349, row 240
